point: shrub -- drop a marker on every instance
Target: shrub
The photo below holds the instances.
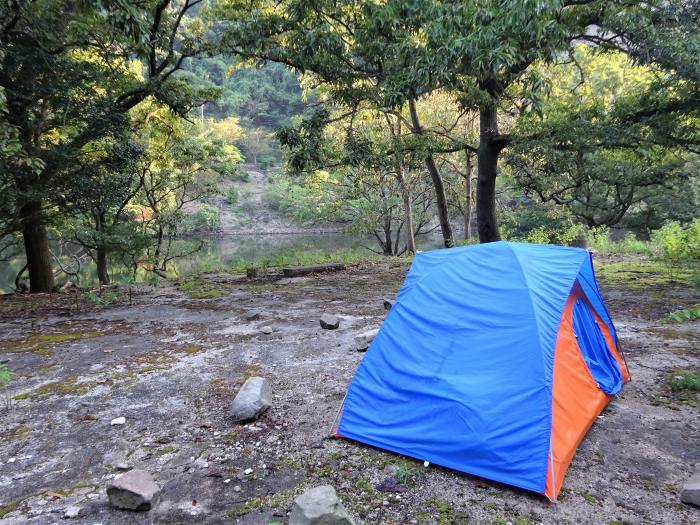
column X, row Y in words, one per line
column 677, row 243
column 205, row 219
column 232, row 195
column 599, row 240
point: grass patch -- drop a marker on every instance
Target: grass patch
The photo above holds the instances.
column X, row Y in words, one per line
column 299, row 257
column 10, row 507
column 191, row 349
column 679, row 387
column 641, row 273
column 590, row 498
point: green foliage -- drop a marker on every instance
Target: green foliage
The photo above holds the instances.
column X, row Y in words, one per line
column 540, row 225
column 678, row 243
column 5, row 375
column 680, row 316
column 599, row 240
column 588, row 154
column 103, row 297
column 685, row 381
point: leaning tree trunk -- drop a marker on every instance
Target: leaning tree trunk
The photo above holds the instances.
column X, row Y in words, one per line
column 468, row 198
column 438, row 184
column 490, row 146
column 36, row 247
column 101, row 262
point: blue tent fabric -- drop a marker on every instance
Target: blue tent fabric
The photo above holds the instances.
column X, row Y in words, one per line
column 460, row 373
column 600, row 362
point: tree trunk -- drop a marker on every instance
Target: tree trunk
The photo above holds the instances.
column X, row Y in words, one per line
column 101, row 261
column 468, row 199
column 438, row 185
column 388, row 245
column 407, row 207
column 36, row 247
column 488, row 151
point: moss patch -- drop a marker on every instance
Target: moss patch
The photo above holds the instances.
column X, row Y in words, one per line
column 43, row 344
column 69, row 387
column 10, row 507
column 200, row 288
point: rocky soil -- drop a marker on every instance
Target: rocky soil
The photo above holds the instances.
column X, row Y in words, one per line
column 169, row 360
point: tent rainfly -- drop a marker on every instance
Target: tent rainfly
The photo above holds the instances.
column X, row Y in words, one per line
column 495, row 360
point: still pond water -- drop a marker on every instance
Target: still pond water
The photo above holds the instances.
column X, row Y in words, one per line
column 221, row 253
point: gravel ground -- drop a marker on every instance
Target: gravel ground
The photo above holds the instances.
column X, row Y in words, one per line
column 170, row 359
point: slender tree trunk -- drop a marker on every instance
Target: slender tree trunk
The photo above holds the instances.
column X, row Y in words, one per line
column 407, row 207
column 405, row 190
column 468, row 198
column 438, row 185
column 36, row 247
column 101, row 261
column 489, row 148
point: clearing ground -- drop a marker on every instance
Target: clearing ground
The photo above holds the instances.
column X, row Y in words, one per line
column 169, row 360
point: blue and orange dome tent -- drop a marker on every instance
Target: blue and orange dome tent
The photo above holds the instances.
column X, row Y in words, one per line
column 495, row 360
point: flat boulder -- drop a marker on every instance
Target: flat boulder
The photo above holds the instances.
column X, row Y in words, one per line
column 252, row 400
column 329, row 321
column 363, row 340
column 319, row 506
column 134, row 490
column 691, row 490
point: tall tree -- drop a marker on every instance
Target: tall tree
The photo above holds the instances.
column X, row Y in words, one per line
column 70, row 72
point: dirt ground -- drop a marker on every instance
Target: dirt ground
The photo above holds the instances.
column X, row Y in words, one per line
column 170, row 360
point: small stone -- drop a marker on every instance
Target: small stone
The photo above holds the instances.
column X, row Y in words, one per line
column 329, row 321
column 365, row 339
column 253, row 316
column 68, row 287
column 248, row 471
column 319, row 506
column 134, row 490
column 122, row 466
column 228, row 480
column 267, row 330
column 237, row 488
column 690, row 493
column 118, row 421
column 253, row 399
column 388, row 303
column 72, row 512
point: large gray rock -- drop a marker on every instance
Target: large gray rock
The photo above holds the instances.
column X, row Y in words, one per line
column 329, row 321
column 319, row 506
column 254, row 398
column 363, row 340
column 691, row 490
column 134, row 490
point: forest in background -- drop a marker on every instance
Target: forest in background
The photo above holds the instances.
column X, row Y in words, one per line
column 538, row 121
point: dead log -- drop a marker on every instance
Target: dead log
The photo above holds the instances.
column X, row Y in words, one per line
column 296, row 271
